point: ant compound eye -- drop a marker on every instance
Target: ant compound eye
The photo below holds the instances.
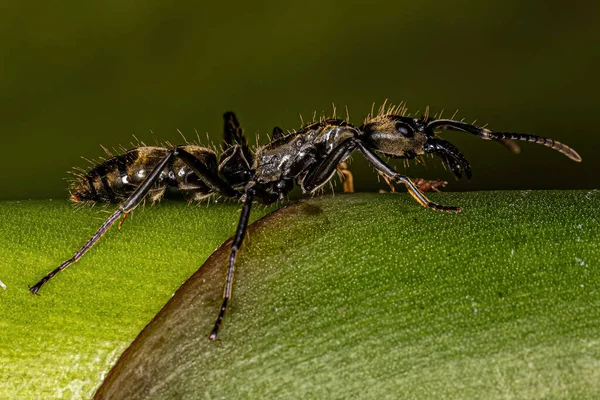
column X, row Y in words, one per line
column 404, row 130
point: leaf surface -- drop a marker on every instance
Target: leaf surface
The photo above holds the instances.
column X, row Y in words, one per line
column 371, row 296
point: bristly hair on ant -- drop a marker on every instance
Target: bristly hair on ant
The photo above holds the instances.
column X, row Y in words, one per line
column 308, row 157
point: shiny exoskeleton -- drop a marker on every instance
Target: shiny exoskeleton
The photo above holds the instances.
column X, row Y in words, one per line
column 307, row 157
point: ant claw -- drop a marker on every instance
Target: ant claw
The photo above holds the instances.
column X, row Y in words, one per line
column 34, row 289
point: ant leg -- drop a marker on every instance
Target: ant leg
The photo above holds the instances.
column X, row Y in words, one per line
column 264, row 196
column 425, row 185
column 125, row 208
column 237, row 242
column 323, row 172
column 390, row 184
column 233, row 134
column 346, row 176
column 388, row 172
column 211, row 178
column 277, row 133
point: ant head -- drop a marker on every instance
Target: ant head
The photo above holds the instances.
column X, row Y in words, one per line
column 395, row 135
column 391, row 123
column 405, row 137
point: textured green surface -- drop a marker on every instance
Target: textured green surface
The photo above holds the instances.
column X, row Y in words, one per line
column 345, row 296
column 370, row 296
column 63, row 342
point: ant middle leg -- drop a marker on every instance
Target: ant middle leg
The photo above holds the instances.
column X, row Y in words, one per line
column 240, row 233
column 389, row 173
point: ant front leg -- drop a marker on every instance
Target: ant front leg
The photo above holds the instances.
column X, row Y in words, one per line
column 346, row 176
column 389, row 173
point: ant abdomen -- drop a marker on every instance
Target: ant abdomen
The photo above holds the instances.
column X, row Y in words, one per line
column 106, row 182
column 118, row 177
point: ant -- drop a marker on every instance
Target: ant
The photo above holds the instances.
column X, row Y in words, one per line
column 308, row 157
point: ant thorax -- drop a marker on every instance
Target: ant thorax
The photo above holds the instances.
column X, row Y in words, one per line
column 292, row 156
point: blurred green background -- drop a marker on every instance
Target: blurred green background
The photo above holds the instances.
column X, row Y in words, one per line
column 81, row 74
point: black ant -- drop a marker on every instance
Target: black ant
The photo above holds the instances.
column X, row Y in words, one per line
column 308, row 157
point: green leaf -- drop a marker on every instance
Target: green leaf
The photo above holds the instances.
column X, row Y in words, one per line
column 370, row 296
column 63, row 342
column 359, row 295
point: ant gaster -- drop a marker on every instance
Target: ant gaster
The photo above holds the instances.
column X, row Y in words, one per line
column 307, row 157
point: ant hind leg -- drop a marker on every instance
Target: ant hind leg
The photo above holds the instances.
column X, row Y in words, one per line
column 124, row 209
column 204, row 172
column 233, row 135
